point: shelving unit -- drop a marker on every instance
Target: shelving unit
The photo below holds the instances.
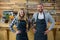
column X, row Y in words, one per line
column 29, row 5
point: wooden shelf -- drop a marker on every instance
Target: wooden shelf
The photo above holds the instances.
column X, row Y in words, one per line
column 5, row 8
column 57, row 23
column 57, row 11
column 3, row 3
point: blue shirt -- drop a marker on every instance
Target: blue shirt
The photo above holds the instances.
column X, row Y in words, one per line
column 48, row 18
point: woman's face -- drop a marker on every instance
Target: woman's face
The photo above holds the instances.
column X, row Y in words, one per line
column 21, row 13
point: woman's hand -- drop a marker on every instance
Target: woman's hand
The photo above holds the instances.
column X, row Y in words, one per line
column 18, row 32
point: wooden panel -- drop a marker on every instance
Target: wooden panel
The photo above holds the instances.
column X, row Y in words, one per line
column 58, row 35
column 12, row 36
column 50, row 36
column 31, row 35
column 3, row 34
column 19, row 1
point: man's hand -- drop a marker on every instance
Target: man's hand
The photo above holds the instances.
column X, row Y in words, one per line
column 46, row 32
column 34, row 30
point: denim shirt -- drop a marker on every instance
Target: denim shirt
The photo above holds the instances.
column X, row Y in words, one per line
column 14, row 22
column 48, row 18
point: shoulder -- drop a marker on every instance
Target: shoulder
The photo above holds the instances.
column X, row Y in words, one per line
column 46, row 13
column 35, row 13
column 15, row 19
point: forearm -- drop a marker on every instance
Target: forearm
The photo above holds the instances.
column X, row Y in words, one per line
column 52, row 26
column 11, row 27
column 33, row 24
column 12, row 30
column 51, row 20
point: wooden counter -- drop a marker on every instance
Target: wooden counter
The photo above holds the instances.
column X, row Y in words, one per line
column 6, row 34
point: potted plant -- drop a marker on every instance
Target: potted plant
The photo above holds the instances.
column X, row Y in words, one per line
column 7, row 18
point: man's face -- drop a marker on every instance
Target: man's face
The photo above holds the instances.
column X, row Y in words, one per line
column 40, row 8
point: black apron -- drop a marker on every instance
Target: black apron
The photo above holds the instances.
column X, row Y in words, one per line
column 41, row 28
column 23, row 34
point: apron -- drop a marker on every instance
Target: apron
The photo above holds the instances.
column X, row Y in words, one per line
column 41, row 28
column 23, row 34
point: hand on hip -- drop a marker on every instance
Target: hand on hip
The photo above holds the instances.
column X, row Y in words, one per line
column 18, row 32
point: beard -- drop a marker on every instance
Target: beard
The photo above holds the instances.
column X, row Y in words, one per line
column 40, row 10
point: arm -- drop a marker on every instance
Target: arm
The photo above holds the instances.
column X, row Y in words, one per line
column 51, row 20
column 12, row 24
column 34, row 20
column 29, row 23
column 34, row 23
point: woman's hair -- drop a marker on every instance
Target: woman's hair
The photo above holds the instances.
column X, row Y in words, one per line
column 24, row 16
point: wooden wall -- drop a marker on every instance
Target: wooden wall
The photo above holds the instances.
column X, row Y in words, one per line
column 5, row 34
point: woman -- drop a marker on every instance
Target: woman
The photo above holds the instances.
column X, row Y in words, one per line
column 21, row 33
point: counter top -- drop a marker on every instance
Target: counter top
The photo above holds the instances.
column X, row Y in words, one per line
column 57, row 25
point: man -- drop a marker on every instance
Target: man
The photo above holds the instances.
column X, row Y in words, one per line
column 41, row 19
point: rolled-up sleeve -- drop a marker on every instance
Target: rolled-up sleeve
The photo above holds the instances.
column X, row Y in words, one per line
column 12, row 24
column 34, row 20
column 51, row 20
column 34, row 17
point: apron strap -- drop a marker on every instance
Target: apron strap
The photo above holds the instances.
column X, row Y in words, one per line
column 37, row 16
column 44, row 15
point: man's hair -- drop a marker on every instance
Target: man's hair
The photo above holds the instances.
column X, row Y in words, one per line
column 41, row 4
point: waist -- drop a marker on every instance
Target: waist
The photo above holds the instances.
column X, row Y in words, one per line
column 41, row 29
column 22, row 31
